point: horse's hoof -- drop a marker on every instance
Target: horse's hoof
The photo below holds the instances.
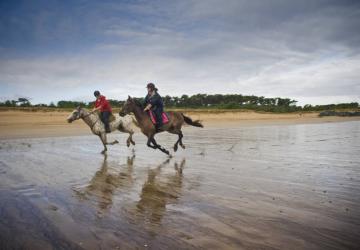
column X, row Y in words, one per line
column 116, row 141
column 128, row 144
column 183, row 146
column 133, row 143
column 175, row 148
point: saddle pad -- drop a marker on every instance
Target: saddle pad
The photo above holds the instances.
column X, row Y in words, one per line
column 165, row 118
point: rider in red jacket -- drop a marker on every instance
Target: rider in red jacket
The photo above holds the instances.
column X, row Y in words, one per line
column 104, row 107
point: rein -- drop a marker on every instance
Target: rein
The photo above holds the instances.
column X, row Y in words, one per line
column 90, row 113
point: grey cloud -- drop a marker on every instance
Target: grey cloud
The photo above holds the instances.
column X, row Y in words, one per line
column 275, row 48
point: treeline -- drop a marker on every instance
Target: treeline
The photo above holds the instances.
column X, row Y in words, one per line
column 203, row 101
column 351, row 105
column 21, row 102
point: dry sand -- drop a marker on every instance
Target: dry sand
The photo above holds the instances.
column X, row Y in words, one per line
column 24, row 124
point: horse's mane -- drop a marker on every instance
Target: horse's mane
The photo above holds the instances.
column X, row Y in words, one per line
column 80, row 107
column 137, row 103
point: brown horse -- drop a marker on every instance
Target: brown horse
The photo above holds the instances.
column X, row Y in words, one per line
column 176, row 120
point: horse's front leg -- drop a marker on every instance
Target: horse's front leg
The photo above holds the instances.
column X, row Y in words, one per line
column 149, row 143
column 129, row 139
column 126, row 129
column 103, row 135
column 113, row 142
column 159, row 146
column 104, row 140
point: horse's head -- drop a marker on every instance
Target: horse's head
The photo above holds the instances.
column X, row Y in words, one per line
column 75, row 115
column 128, row 107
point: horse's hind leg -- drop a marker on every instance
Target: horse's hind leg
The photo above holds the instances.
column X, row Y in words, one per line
column 180, row 134
column 180, row 139
column 176, row 143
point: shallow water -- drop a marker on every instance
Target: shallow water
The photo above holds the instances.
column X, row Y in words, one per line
column 253, row 187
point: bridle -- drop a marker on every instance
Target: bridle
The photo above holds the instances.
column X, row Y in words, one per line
column 84, row 116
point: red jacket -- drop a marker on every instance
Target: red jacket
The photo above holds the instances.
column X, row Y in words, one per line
column 103, row 104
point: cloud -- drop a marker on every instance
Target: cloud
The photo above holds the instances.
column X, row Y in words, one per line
column 307, row 51
column 303, row 79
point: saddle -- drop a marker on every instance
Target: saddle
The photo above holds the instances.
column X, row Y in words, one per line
column 164, row 116
column 111, row 117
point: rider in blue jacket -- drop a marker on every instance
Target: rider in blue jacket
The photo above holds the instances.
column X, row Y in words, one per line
column 154, row 102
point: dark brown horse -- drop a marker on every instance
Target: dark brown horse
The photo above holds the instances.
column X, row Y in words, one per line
column 176, row 120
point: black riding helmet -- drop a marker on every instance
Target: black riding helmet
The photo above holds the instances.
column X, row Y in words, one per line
column 151, row 86
column 96, row 93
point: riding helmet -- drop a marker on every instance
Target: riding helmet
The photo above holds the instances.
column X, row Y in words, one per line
column 151, row 86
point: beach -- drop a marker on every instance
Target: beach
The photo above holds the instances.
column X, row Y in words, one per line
column 27, row 124
column 245, row 181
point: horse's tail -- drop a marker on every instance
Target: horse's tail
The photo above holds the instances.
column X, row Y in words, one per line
column 191, row 122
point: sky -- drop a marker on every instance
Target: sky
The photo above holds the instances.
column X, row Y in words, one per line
column 64, row 50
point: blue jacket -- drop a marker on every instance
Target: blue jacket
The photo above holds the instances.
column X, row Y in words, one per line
column 156, row 102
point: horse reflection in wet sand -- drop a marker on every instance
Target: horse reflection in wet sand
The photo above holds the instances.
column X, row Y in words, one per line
column 123, row 124
column 176, row 120
column 156, row 195
column 105, row 182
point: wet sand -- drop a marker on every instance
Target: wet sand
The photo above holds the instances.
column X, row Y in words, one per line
column 256, row 186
